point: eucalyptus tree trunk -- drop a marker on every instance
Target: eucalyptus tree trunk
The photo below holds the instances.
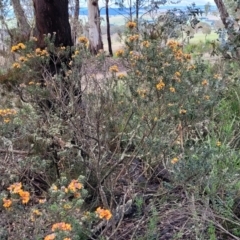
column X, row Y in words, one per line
column 52, row 18
column 75, row 19
column 108, row 30
column 223, row 12
column 95, row 37
column 24, row 29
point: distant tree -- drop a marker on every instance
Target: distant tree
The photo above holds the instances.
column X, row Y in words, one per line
column 23, row 27
column 52, row 18
column 95, row 37
column 108, row 30
column 74, row 7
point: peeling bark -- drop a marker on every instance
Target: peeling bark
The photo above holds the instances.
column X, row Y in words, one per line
column 95, row 37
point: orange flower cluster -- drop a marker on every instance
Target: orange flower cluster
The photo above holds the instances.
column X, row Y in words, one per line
column 160, row 85
column 16, row 65
column 17, row 188
column 6, row 112
column 204, row 82
column 7, row 203
column 17, row 47
column 83, row 40
column 174, row 160
column 61, row 226
column 114, row 69
column 50, row 236
column 103, row 213
column 74, row 186
column 131, row 24
column 142, row 92
column 133, row 38
column 146, row 44
column 178, row 54
column 40, row 52
column 119, row 52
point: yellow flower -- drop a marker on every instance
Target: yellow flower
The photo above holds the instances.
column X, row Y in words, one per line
column 61, row 226
column 131, row 24
column 217, row 76
column 25, row 196
column 160, row 85
column 142, row 92
column 191, row 67
column 14, row 48
column 50, row 236
column 204, row 82
column 67, row 239
column 206, row 97
column 172, row 89
column 74, row 186
column 7, row 202
column 38, row 51
column 218, row 144
column 187, row 56
column 31, row 83
column 42, row 200
column 6, row 120
column 37, row 212
column 121, row 76
column 15, row 188
column 54, row 188
column 177, row 74
column 67, row 206
column 16, row 65
column 146, row 44
column 133, row 38
column 83, row 40
column 21, row 46
column 114, row 69
column 22, row 59
column 119, row 52
column 102, row 213
column 183, row 111
column 174, row 160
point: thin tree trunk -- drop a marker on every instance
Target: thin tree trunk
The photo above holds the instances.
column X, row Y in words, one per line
column 52, row 18
column 137, row 10
column 95, row 37
column 108, row 30
column 75, row 20
column 130, row 8
column 24, row 28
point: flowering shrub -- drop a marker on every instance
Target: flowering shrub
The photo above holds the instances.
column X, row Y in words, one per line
column 82, row 115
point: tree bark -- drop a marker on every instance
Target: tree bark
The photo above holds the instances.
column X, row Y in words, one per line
column 223, row 12
column 52, row 18
column 75, row 19
column 108, row 30
column 95, row 37
column 24, row 28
